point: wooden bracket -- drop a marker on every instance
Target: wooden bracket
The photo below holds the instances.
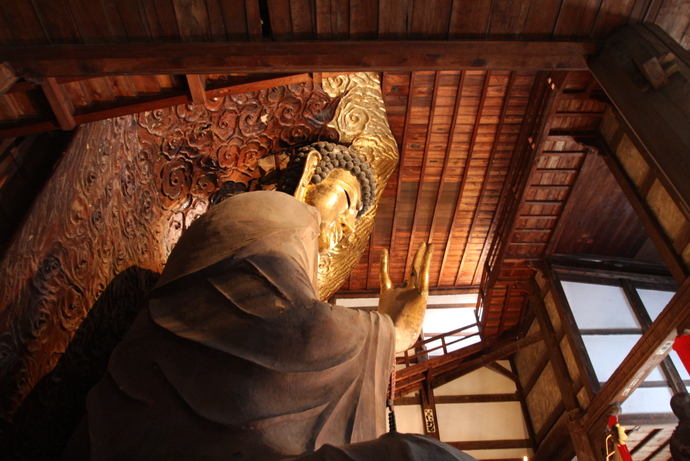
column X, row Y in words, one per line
column 197, row 87
column 60, row 103
column 7, row 77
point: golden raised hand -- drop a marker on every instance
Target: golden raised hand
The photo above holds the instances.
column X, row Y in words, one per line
column 406, row 304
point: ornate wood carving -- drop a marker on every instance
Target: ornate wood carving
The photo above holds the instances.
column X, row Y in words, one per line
column 122, row 194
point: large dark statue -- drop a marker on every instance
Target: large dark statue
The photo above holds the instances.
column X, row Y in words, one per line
column 234, row 357
column 680, row 440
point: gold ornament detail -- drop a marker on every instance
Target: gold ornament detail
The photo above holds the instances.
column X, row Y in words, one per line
column 362, row 123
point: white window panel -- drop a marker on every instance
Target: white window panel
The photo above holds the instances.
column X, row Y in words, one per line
column 599, row 306
column 608, row 351
column 655, row 301
column 648, row 400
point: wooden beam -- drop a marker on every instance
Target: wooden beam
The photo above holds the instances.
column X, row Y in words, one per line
column 571, row 330
column 644, row 356
column 197, row 88
column 476, row 398
column 658, row 118
column 675, row 382
column 500, row 369
column 60, row 103
column 331, row 56
column 7, row 78
column 526, row 416
column 662, row 241
column 491, row 444
column 581, row 442
column 487, row 357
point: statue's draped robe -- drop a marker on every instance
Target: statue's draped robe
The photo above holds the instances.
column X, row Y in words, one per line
column 234, row 357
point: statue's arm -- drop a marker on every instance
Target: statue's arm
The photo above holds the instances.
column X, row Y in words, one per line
column 406, row 305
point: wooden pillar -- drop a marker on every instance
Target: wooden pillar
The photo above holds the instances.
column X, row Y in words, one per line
column 429, row 417
column 581, row 442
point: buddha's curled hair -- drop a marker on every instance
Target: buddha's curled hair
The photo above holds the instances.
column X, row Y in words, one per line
column 332, row 156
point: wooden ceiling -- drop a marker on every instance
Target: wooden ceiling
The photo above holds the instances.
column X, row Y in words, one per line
column 490, row 168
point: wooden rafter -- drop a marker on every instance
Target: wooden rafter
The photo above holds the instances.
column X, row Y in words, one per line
column 449, row 150
column 465, row 173
column 425, row 156
column 487, row 175
column 399, row 185
column 293, row 57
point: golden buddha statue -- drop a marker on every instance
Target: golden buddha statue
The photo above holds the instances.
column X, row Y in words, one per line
column 234, row 355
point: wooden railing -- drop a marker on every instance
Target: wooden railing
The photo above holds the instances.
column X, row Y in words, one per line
column 419, row 350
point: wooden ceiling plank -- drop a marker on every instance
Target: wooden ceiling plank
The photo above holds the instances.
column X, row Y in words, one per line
column 216, row 22
column 445, row 170
column 323, row 14
column 193, row 20
column 303, row 19
column 492, row 155
column 543, row 130
column 469, row 19
column 580, row 19
column 430, row 19
column 238, row 17
column 92, row 21
column 513, row 167
column 394, row 19
column 16, row 129
column 133, row 20
column 542, row 18
column 253, row 15
column 364, row 19
column 508, row 18
column 398, row 192
column 425, row 160
column 23, row 22
column 506, row 301
column 292, row 57
column 612, row 15
column 6, row 37
column 57, row 21
column 542, row 125
column 117, row 26
column 280, row 18
column 587, row 169
column 463, row 178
